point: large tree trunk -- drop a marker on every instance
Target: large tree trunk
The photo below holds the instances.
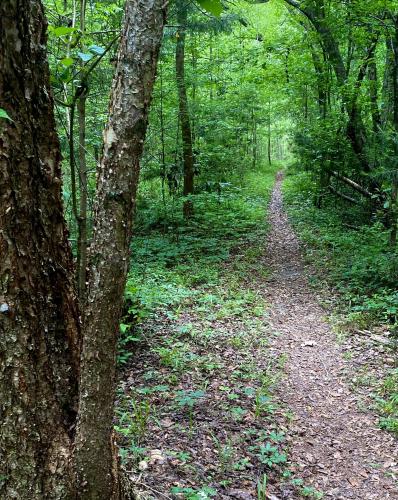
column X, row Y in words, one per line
column 110, row 249
column 39, row 321
column 186, row 133
column 39, row 327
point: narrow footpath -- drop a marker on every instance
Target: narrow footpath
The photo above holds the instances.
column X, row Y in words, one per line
column 334, row 446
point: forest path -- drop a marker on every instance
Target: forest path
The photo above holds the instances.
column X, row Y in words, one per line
column 335, row 447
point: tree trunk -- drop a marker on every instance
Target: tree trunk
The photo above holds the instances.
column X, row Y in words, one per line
column 394, row 187
column 39, row 320
column 185, row 121
column 110, row 249
column 373, row 94
column 39, row 328
column 82, row 221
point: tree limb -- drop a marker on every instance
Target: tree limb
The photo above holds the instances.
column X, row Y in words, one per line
column 354, row 185
column 343, row 196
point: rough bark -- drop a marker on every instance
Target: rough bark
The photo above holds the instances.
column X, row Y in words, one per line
column 109, row 252
column 185, row 121
column 39, row 325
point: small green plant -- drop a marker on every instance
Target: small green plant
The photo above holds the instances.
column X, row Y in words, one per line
column 263, row 404
column 242, row 464
column 132, row 453
column 188, row 399
column 269, row 455
column 311, row 492
column 262, row 488
column 388, row 402
column 133, row 421
column 205, row 493
column 225, row 453
column 238, row 413
column 173, row 357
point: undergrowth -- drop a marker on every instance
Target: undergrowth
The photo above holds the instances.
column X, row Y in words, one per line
column 352, row 253
column 196, row 397
column 173, row 259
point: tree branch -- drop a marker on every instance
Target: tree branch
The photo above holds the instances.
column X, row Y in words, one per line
column 354, row 185
column 343, row 196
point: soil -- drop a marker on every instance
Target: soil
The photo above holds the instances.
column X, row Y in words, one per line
column 335, row 445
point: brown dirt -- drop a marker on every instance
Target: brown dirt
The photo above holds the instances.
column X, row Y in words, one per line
column 334, row 446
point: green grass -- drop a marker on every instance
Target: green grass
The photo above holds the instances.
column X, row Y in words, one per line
column 355, row 256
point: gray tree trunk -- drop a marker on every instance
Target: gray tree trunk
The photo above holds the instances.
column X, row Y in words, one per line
column 110, row 249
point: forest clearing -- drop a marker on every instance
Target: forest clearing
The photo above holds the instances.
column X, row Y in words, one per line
column 198, row 240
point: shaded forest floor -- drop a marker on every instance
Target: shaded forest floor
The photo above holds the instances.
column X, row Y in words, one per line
column 238, row 387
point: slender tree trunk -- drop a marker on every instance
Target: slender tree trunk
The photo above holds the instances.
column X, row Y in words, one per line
column 39, row 320
column 373, row 94
column 321, row 83
column 269, row 133
column 185, row 121
column 394, row 190
column 110, row 249
column 254, row 140
column 82, row 219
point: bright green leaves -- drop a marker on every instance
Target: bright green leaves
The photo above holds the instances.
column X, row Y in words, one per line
column 95, row 50
column 5, row 115
column 212, row 6
column 67, row 61
column 61, row 31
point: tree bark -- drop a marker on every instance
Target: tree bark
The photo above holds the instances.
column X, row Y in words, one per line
column 110, row 249
column 40, row 324
column 39, row 319
column 186, row 133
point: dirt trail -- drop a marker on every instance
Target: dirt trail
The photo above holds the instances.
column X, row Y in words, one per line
column 335, row 447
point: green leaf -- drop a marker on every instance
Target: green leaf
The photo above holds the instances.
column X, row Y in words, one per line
column 5, row 115
column 212, row 6
column 67, row 61
column 85, row 56
column 63, row 30
column 96, row 49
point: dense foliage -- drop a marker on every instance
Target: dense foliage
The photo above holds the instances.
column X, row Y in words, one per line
column 243, row 90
